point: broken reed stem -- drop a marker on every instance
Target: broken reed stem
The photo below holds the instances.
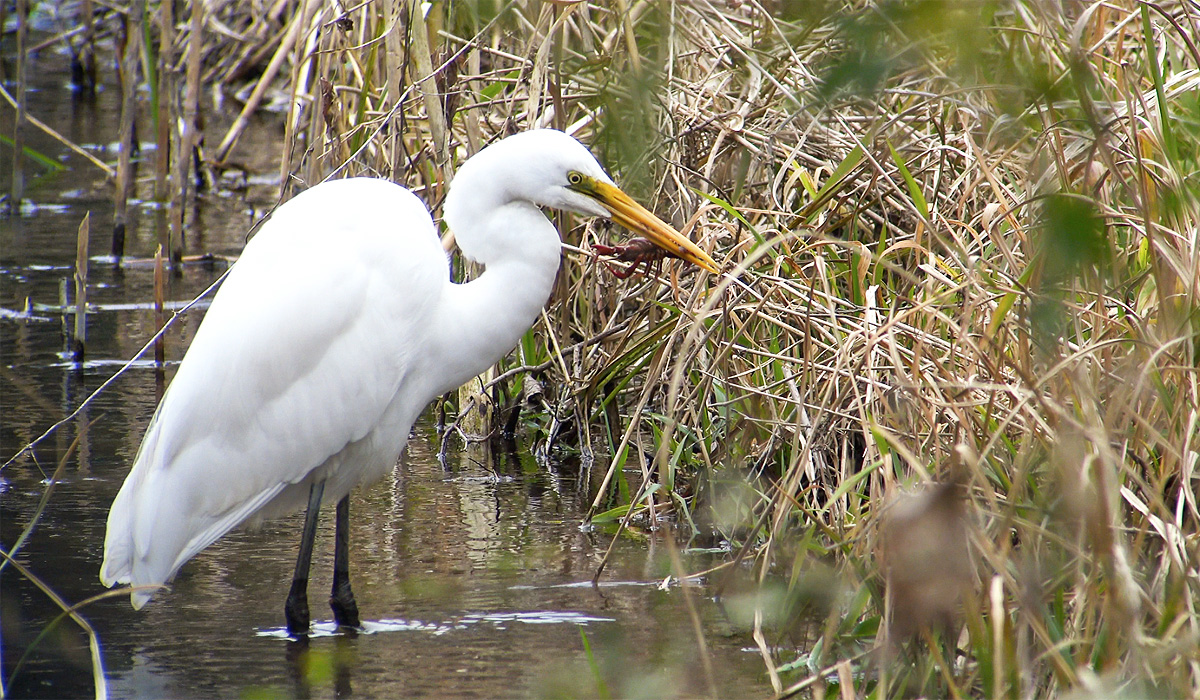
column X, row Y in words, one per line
column 125, row 143
column 189, row 142
column 87, row 47
column 178, row 185
column 183, row 146
column 166, row 84
column 18, row 145
column 160, row 339
column 64, row 303
column 81, row 273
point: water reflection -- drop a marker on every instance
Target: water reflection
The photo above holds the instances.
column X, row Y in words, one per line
column 459, row 601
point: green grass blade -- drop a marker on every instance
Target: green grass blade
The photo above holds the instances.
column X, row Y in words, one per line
column 914, row 189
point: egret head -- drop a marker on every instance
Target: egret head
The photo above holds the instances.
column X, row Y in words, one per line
column 548, row 168
column 558, row 165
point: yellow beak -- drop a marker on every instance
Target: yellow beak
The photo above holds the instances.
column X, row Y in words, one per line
column 640, row 220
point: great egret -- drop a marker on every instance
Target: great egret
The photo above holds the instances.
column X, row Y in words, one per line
column 333, row 331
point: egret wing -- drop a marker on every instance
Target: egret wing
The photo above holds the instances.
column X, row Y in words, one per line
column 294, row 374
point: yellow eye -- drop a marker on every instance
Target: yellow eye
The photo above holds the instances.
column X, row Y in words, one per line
column 574, row 178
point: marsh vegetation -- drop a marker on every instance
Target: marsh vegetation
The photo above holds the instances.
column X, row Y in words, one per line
column 941, row 413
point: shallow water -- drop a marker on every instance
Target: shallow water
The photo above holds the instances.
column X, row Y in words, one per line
column 472, row 580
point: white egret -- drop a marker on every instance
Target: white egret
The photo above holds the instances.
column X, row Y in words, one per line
column 335, row 328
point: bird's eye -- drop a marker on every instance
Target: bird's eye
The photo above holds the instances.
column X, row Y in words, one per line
column 574, row 178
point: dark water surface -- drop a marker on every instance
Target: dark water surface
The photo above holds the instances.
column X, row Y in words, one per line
column 471, row 581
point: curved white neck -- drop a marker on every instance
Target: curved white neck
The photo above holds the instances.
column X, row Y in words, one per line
column 482, row 320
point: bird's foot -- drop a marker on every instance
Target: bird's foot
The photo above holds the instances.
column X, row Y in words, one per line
column 296, row 610
column 345, row 610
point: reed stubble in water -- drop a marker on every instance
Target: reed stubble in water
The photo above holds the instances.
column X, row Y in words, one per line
column 81, row 286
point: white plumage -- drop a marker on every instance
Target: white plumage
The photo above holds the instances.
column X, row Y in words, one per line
column 334, row 329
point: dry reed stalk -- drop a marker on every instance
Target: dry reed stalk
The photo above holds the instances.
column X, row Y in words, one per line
column 423, row 76
column 130, row 60
column 297, row 85
column 187, row 143
column 17, row 191
column 81, row 275
column 165, row 76
column 160, row 321
column 87, row 48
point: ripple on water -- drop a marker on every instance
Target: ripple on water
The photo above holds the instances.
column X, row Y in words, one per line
column 328, row 628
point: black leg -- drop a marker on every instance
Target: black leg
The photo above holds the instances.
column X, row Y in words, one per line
column 296, row 608
column 345, row 610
